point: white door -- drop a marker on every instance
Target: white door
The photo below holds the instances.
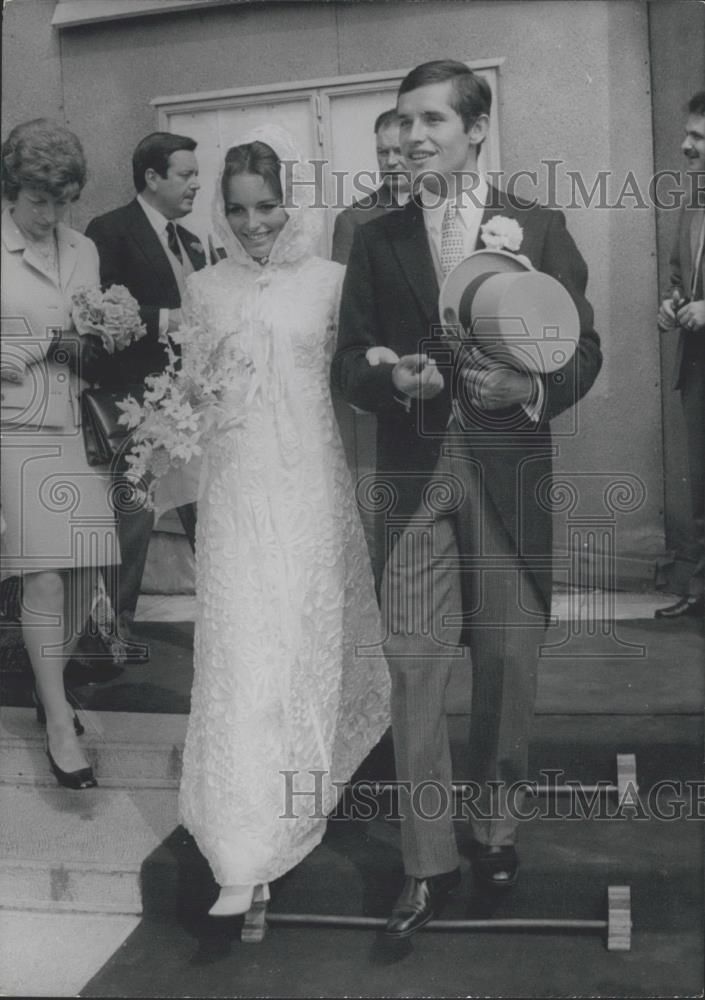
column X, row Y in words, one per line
column 349, row 114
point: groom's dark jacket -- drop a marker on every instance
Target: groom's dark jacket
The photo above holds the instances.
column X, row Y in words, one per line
column 131, row 254
column 390, row 298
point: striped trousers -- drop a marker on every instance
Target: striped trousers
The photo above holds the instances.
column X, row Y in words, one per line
column 429, row 595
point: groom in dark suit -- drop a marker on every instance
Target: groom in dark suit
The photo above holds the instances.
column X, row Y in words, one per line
column 464, row 453
column 142, row 247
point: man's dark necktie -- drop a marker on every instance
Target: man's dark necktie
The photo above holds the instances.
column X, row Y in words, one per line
column 173, row 241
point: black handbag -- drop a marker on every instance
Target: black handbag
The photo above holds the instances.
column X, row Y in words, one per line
column 105, row 440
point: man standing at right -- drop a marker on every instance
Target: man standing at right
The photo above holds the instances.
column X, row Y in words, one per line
column 464, row 456
column 684, row 310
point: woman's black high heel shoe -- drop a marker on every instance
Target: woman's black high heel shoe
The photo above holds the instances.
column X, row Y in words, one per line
column 83, row 778
column 42, row 716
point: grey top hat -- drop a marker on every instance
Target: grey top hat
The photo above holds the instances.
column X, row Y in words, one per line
column 510, row 311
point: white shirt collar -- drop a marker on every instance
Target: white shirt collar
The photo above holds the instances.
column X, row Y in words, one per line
column 157, row 221
column 470, row 203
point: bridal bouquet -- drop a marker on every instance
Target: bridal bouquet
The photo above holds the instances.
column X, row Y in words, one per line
column 113, row 315
column 205, row 392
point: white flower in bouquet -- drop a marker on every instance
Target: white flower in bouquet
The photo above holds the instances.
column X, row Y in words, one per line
column 501, row 233
column 205, row 392
column 113, row 315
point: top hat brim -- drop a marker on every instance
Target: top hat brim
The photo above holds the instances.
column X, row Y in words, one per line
column 474, row 266
column 512, row 312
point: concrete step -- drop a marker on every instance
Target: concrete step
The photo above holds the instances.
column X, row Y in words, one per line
column 126, row 749
column 83, row 851
column 73, row 947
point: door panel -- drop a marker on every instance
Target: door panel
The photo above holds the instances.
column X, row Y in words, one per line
column 351, row 149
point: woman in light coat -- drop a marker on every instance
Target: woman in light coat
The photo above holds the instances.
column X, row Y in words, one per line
column 59, row 526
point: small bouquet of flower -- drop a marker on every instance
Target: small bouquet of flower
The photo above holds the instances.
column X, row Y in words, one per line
column 113, row 315
column 207, row 391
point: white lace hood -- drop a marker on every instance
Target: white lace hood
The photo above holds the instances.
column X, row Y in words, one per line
column 299, row 237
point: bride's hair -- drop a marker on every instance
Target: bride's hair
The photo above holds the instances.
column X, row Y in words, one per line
column 252, row 158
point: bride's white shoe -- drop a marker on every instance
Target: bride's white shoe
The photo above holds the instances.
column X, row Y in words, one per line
column 236, row 899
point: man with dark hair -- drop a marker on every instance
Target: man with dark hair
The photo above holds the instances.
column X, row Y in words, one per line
column 462, row 452
column 469, row 95
column 154, row 153
column 393, row 189
column 683, row 309
column 140, row 246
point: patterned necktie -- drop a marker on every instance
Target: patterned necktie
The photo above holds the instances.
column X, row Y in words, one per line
column 173, row 242
column 452, row 243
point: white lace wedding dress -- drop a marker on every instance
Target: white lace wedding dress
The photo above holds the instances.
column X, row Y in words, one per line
column 290, row 688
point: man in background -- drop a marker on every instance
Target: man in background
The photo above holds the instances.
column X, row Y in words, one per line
column 392, row 192
column 683, row 309
column 142, row 247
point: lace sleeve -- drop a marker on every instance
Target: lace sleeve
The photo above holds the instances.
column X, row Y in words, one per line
column 192, row 300
column 193, row 314
column 332, row 331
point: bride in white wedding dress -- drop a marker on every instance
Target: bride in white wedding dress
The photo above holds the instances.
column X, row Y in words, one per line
column 290, row 689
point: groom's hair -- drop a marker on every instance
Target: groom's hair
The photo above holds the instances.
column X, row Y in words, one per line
column 153, row 152
column 471, row 95
column 252, row 158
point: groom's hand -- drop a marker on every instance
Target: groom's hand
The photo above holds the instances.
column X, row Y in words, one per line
column 491, row 385
column 417, row 376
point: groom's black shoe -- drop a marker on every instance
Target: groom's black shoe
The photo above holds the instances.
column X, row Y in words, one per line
column 420, row 901
column 688, row 607
column 495, row 867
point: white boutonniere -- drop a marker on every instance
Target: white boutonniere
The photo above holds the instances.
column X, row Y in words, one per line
column 501, row 233
column 197, row 246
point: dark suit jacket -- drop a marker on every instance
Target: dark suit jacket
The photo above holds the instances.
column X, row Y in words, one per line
column 691, row 345
column 349, row 219
column 131, row 255
column 390, row 297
